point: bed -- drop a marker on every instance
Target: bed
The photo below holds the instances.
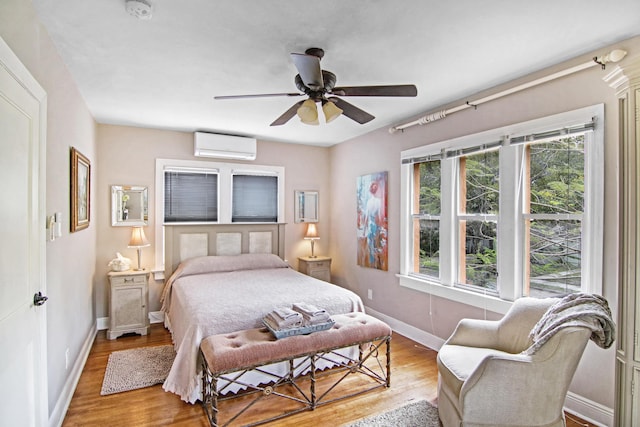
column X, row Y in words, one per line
column 227, row 278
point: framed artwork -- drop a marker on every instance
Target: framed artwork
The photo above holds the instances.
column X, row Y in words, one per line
column 80, row 191
column 372, row 220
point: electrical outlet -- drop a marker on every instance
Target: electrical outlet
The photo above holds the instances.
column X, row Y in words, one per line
column 66, row 359
column 370, row 294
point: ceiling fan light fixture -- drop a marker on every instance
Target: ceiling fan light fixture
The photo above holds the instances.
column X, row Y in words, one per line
column 331, row 111
column 308, row 112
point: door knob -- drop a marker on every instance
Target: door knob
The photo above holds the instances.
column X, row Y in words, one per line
column 39, row 299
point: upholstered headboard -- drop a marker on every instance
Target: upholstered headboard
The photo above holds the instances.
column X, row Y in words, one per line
column 188, row 241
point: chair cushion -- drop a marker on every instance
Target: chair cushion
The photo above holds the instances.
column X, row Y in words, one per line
column 456, row 363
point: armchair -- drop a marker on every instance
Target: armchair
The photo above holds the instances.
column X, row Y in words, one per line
column 486, row 376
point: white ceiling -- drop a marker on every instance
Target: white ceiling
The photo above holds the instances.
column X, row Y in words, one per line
column 164, row 72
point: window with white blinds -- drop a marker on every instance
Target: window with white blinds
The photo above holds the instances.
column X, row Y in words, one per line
column 195, row 191
column 255, row 198
column 190, row 196
column 207, row 192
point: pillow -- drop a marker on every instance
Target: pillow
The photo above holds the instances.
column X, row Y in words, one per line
column 218, row 264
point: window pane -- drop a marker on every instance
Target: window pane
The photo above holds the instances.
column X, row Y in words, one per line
column 255, row 198
column 429, row 258
column 429, row 188
column 190, row 197
column 479, row 267
column 555, row 257
column 557, row 176
column 481, row 182
column 426, row 235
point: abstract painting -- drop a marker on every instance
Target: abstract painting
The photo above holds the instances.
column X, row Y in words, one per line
column 372, row 220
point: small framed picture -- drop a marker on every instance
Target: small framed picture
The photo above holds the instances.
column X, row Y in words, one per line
column 80, row 191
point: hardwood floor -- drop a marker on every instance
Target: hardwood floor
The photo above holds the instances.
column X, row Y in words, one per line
column 413, row 376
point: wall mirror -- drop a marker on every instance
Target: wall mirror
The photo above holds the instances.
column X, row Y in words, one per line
column 129, row 205
column 306, row 206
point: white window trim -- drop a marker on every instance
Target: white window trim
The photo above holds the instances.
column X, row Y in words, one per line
column 225, row 184
column 592, row 251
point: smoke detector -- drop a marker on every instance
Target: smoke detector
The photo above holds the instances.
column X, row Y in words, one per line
column 141, row 9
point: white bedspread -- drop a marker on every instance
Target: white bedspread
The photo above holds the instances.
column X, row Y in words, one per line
column 212, row 303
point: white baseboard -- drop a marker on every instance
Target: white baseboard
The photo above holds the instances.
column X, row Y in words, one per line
column 156, row 317
column 418, row 335
column 102, row 323
column 588, row 410
column 62, row 404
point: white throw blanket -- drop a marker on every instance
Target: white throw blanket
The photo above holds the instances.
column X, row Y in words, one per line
column 582, row 310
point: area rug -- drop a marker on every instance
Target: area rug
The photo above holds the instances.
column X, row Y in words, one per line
column 415, row 414
column 137, row 368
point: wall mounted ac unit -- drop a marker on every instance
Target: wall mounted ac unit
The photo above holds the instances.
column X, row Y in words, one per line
column 224, row 146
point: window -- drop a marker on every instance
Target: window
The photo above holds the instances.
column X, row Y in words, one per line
column 426, row 218
column 512, row 212
column 196, row 192
column 477, row 217
column 553, row 216
column 190, row 196
column 255, row 198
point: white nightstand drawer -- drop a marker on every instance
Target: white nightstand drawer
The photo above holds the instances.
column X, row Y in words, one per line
column 129, row 280
column 320, row 265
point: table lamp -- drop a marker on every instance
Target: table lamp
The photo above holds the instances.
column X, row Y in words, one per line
column 312, row 235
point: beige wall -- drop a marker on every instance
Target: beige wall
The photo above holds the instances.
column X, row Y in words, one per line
column 71, row 258
column 595, row 377
column 127, row 156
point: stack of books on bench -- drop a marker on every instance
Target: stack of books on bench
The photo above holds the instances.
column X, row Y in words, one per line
column 299, row 319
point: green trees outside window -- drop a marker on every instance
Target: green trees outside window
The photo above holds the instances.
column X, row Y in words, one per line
column 552, row 185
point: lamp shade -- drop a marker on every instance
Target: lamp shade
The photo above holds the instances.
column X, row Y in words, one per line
column 138, row 239
column 331, row 111
column 308, row 112
column 312, row 232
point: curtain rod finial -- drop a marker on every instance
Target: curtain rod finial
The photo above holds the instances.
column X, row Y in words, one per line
column 613, row 56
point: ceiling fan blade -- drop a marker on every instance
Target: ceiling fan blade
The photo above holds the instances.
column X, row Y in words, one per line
column 262, row 95
column 284, row 118
column 391, row 90
column 351, row 111
column 309, row 68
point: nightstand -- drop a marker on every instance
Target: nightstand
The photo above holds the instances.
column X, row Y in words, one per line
column 128, row 301
column 318, row 267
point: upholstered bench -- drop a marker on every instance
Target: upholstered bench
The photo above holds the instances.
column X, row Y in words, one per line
column 226, row 358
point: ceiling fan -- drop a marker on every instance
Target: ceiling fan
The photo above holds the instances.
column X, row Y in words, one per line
column 318, row 85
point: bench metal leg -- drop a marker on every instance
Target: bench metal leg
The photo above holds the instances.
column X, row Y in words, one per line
column 209, row 395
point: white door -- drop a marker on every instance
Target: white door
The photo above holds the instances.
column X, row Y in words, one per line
column 23, row 384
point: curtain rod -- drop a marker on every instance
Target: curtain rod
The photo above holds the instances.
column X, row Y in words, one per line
column 613, row 56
